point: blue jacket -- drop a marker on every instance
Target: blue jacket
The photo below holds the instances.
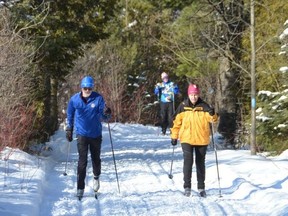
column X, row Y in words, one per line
column 86, row 118
column 166, row 91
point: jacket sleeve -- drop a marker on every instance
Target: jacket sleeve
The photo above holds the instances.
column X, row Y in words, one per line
column 214, row 118
column 211, row 119
column 176, row 89
column 70, row 114
column 177, row 122
column 176, row 126
column 156, row 90
column 102, row 106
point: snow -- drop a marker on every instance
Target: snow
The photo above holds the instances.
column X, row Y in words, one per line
column 35, row 185
column 132, row 24
column 283, row 69
column 268, row 93
column 284, row 34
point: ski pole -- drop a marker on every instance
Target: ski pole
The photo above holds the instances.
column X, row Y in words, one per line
column 113, row 156
column 215, row 150
column 173, row 102
column 170, row 174
column 67, row 157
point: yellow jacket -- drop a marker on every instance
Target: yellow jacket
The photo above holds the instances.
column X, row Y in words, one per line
column 191, row 123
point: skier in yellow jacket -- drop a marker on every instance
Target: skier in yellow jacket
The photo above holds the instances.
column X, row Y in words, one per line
column 191, row 125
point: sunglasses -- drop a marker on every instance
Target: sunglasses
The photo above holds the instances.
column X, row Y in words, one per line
column 87, row 89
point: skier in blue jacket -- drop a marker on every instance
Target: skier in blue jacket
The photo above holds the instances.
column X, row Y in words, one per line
column 85, row 111
column 166, row 91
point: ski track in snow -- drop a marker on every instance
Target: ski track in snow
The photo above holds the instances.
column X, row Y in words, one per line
column 143, row 165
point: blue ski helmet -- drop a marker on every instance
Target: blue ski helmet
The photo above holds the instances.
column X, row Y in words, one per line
column 87, row 82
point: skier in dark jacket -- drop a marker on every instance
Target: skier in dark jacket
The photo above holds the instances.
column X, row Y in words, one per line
column 191, row 126
column 86, row 110
column 166, row 91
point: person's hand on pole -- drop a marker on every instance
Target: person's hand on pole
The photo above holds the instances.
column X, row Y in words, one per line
column 69, row 134
column 174, row 142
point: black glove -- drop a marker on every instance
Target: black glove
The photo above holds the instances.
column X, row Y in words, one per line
column 107, row 111
column 174, row 142
column 69, row 134
column 211, row 111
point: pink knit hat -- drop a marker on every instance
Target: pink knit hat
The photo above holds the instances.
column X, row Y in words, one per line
column 193, row 89
column 164, row 75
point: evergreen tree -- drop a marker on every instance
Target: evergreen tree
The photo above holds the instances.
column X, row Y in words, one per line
column 273, row 110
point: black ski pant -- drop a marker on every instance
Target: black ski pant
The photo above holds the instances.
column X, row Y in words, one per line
column 200, row 153
column 166, row 113
column 84, row 144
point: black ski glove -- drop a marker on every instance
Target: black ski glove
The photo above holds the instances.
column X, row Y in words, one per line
column 107, row 111
column 174, row 142
column 69, row 134
column 211, row 111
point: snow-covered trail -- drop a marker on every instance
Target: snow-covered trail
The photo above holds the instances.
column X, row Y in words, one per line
column 143, row 162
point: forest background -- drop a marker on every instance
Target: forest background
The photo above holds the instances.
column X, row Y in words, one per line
column 48, row 46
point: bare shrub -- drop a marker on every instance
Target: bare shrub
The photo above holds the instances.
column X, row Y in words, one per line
column 16, row 107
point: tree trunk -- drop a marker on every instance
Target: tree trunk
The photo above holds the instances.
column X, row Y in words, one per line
column 226, row 101
column 47, row 106
column 54, row 105
column 253, row 82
